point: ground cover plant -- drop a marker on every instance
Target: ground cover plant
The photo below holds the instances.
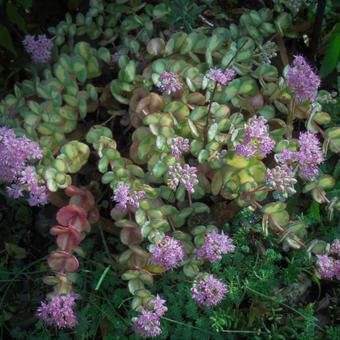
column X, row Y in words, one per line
column 170, row 169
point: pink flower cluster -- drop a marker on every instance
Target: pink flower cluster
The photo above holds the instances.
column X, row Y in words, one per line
column 256, row 138
column 186, row 175
column 147, row 324
column 303, row 80
column 58, row 311
column 308, row 157
column 169, row 253
column 178, row 145
column 124, row 196
column 39, row 47
column 219, row 76
column 281, row 180
column 215, row 245
column 15, row 155
column 208, row 291
column 329, row 263
column 169, row 82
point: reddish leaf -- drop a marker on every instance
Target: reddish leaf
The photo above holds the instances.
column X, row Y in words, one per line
column 61, row 261
column 75, row 216
column 68, row 237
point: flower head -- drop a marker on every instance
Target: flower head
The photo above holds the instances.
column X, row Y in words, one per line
column 37, row 193
column 178, row 145
column 208, row 291
column 159, row 306
column 58, row 311
column 39, row 47
column 187, row 175
column 169, row 82
column 15, row 152
column 326, row 266
column 256, row 138
column 335, row 248
column 147, row 324
column 219, row 76
column 281, row 180
column 309, row 155
column 215, row 245
column 169, row 253
column 303, row 80
column 15, row 155
column 124, row 196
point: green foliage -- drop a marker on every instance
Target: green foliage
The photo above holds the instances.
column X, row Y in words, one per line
column 105, row 81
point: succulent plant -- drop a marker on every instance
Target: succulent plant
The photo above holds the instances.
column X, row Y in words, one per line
column 165, row 89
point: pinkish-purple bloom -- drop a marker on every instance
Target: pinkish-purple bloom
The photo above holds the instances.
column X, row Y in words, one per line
column 327, row 268
column 158, row 306
column 39, row 47
column 178, row 145
column 286, row 157
column 169, row 253
column 37, row 193
column 309, row 156
column 147, row 324
column 219, row 76
column 208, row 291
column 281, row 180
column 256, row 138
column 15, row 152
column 215, row 245
column 125, row 196
column 169, row 82
column 58, row 311
column 15, row 155
column 335, row 248
column 303, row 80
column 186, row 175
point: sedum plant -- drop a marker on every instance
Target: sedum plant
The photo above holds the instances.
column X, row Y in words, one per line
column 212, row 124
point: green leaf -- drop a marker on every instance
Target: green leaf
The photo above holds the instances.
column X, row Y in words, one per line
column 80, row 70
column 104, row 54
column 6, row 40
column 332, row 55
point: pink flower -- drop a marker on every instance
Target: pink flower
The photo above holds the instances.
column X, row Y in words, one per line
column 309, row 156
column 326, row 266
column 179, row 145
column 281, row 179
column 15, row 155
column 39, row 47
column 256, row 138
column 208, row 291
column 169, row 82
column 169, row 253
column 125, row 196
column 215, row 245
column 147, row 324
column 186, row 175
column 219, row 76
column 58, row 311
column 303, row 80
column 335, row 248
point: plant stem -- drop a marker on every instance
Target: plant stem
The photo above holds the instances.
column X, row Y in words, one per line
column 281, row 303
column 190, row 199
column 290, row 119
